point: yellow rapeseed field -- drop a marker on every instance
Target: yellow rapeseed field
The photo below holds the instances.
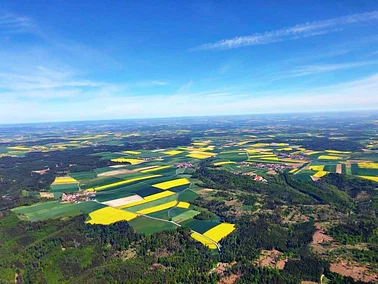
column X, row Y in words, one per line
column 131, row 135
column 200, row 155
column 109, row 215
column 200, row 143
column 320, row 174
column 172, row 152
column 312, row 153
column 270, row 158
column 158, row 208
column 126, row 160
column 172, row 183
column 155, row 169
column 327, row 157
column 260, row 145
column 252, row 151
column 368, row 165
column 285, row 149
column 122, row 182
column 219, row 232
column 18, row 148
column 223, row 163
column 208, row 148
column 64, row 180
column 243, row 142
column 316, row 168
column 132, row 152
column 203, row 240
column 280, row 144
column 338, row 152
column 293, row 170
column 370, row 178
column 183, row 204
column 149, row 198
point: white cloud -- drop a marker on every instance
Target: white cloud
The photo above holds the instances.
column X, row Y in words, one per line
column 151, row 83
column 185, row 88
column 290, row 33
column 322, row 68
column 11, row 23
column 360, row 94
column 42, row 78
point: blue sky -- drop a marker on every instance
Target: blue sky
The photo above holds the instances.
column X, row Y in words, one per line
column 84, row 60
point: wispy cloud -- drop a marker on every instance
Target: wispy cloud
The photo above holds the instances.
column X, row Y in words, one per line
column 151, row 83
column 11, row 23
column 185, row 87
column 42, row 78
column 291, row 33
column 358, row 94
column 323, row 68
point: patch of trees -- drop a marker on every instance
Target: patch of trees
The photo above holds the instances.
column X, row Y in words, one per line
column 353, row 232
column 351, row 185
column 321, row 192
column 215, row 207
column 205, row 215
column 265, row 233
column 321, row 144
column 69, row 251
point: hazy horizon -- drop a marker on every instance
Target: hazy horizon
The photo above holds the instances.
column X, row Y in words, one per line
column 323, row 114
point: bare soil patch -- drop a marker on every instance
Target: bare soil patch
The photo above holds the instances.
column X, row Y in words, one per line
column 272, row 258
column 117, row 166
column 46, row 195
column 354, row 270
column 114, row 173
column 221, row 268
column 339, row 169
column 204, row 191
column 233, row 278
column 123, row 200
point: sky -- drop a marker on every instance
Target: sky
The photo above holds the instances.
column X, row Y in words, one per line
column 92, row 60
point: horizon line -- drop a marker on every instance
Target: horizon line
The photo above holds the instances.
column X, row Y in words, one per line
column 195, row 116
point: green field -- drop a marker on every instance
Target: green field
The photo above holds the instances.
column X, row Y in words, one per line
column 99, row 182
column 149, row 226
column 363, row 171
column 330, row 168
column 83, row 175
column 199, row 226
column 72, row 187
column 188, row 195
column 163, row 214
column 54, row 209
column 234, row 157
column 185, row 215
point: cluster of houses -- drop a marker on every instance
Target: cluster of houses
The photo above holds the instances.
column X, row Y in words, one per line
column 255, row 177
column 272, row 167
column 293, row 156
column 82, row 195
column 184, row 165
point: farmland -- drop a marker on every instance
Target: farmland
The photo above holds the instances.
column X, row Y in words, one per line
column 209, row 184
